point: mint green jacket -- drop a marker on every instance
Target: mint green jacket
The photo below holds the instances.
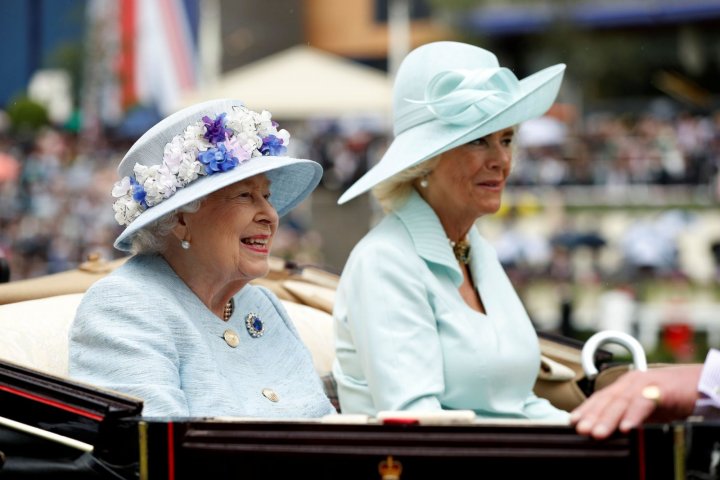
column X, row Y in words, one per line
column 406, row 340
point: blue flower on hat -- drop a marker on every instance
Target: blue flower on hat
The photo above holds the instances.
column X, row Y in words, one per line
column 138, row 192
column 273, row 145
column 218, row 159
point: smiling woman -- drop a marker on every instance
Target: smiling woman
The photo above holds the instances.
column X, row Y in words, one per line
column 179, row 324
column 233, row 229
column 425, row 316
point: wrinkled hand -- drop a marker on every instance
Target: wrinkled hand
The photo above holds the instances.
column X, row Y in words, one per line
column 622, row 406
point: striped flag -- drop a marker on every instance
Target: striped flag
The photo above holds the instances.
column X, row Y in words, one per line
column 140, row 53
column 165, row 51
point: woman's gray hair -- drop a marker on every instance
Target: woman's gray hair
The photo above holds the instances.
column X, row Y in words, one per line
column 153, row 238
column 394, row 192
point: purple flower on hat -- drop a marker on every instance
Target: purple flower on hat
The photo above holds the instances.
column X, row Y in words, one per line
column 273, row 145
column 217, row 159
column 216, row 131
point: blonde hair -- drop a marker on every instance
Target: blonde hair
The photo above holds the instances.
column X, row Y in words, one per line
column 394, row 192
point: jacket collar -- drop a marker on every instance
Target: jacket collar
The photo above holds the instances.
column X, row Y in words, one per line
column 428, row 235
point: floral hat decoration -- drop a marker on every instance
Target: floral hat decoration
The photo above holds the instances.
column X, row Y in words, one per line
column 446, row 94
column 199, row 150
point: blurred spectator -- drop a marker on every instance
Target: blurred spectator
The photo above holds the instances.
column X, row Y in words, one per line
column 521, row 252
column 569, row 240
column 715, row 251
column 650, row 246
column 617, row 310
column 4, row 268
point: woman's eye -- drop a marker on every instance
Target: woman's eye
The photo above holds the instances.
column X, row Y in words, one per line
column 267, row 196
column 477, row 141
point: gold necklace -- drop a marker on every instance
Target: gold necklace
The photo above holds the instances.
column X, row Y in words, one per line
column 461, row 250
column 229, row 309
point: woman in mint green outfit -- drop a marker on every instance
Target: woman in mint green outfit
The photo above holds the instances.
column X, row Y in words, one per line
column 426, row 318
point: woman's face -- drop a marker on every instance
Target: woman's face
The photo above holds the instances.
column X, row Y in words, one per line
column 232, row 232
column 469, row 180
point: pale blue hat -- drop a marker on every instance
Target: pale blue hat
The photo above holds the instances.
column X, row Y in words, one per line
column 201, row 149
column 449, row 93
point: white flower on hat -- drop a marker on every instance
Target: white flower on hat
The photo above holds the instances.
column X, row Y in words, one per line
column 180, row 162
column 194, row 138
column 205, row 147
column 188, row 171
column 126, row 208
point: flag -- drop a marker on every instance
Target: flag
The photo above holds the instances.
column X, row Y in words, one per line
column 141, row 53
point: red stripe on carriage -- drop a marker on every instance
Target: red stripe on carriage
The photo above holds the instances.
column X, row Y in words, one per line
column 53, row 403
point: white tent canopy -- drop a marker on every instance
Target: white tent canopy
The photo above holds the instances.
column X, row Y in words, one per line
column 303, row 82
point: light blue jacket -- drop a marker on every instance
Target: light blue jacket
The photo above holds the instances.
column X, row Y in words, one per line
column 406, row 340
column 142, row 331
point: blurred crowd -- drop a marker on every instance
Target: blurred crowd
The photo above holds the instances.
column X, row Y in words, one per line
column 54, row 202
column 612, row 149
column 55, row 207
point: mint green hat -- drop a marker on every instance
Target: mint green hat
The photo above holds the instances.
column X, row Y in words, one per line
column 449, row 93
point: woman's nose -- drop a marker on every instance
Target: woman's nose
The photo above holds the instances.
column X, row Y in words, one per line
column 500, row 156
column 267, row 213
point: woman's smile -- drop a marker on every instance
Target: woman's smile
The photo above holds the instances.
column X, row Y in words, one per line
column 257, row 243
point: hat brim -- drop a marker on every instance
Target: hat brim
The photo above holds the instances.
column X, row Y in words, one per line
column 291, row 181
column 420, row 143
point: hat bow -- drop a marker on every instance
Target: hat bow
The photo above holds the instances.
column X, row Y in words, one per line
column 462, row 97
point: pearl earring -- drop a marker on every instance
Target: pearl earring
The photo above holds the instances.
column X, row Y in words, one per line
column 185, row 244
column 424, row 182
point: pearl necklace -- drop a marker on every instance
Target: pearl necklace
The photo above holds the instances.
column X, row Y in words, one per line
column 461, row 250
column 229, row 309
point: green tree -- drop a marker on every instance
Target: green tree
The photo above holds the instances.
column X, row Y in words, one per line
column 26, row 117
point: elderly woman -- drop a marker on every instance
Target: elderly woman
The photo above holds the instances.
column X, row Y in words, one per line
column 426, row 319
column 179, row 325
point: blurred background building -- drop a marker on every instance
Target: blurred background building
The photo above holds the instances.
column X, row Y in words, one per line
column 611, row 219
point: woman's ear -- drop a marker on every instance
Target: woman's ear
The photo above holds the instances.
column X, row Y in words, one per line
column 180, row 230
